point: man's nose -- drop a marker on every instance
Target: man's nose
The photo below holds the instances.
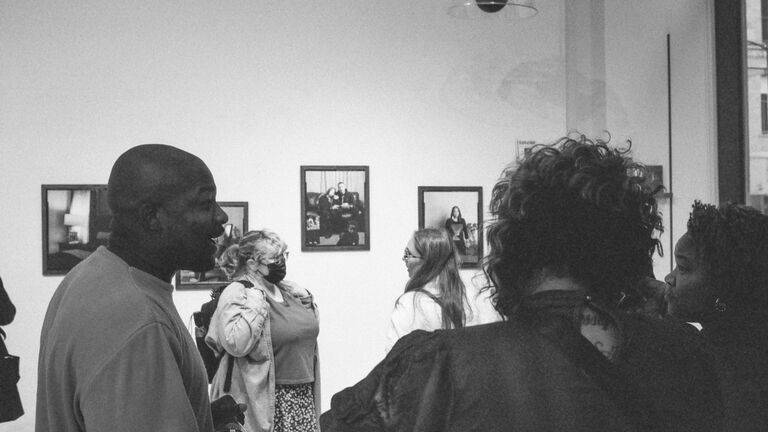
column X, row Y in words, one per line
column 221, row 216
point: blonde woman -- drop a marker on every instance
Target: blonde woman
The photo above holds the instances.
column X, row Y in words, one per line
column 266, row 330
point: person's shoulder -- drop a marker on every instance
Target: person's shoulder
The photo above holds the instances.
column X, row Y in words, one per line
column 238, row 291
column 485, row 333
column 103, row 280
column 417, row 346
column 662, row 337
column 463, row 343
column 417, row 298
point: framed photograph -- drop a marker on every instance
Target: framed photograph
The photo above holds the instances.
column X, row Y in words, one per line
column 334, row 208
column 76, row 221
column 524, row 148
column 236, row 226
column 459, row 210
column 655, row 176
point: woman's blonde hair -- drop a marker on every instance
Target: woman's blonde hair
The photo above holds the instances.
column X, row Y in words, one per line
column 252, row 245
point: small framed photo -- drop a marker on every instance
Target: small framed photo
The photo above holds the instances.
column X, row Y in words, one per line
column 236, row 226
column 76, row 221
column 459, row 210
column 525, row 148
column 655, row 176
column 334, row 208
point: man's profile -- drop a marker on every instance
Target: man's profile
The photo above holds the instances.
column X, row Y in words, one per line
column 114, row 353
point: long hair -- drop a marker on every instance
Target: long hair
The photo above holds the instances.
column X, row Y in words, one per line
column 732, row 245
column 440, row 262
column 458, row 218
column 579, row 209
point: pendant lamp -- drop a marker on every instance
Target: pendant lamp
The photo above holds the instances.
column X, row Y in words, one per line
column 499, row 9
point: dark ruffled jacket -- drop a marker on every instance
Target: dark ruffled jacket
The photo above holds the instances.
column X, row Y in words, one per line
column 536, row 372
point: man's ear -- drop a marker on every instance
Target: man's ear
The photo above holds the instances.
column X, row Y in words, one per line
column 149, row 217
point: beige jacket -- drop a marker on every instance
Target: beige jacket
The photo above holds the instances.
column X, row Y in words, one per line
column 240, row 328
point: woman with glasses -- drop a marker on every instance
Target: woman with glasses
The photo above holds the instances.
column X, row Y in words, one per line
column 435, row 296
column 266, row 330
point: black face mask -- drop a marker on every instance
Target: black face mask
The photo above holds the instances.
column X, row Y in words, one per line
column 276, row 272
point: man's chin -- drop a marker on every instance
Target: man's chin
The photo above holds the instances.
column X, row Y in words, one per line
column 201, row 266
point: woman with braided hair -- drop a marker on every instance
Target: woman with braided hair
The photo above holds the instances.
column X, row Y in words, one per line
column 721, row 282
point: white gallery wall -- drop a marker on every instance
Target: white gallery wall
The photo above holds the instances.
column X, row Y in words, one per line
column 258, row 88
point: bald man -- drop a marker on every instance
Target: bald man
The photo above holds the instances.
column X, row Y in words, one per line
column 114, row 353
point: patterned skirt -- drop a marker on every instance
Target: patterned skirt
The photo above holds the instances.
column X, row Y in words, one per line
column 295, row 408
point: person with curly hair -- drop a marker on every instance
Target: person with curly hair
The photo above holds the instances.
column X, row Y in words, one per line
column 721, row 282
column 573, row 234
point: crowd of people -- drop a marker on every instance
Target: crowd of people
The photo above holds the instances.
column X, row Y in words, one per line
column 578, row 334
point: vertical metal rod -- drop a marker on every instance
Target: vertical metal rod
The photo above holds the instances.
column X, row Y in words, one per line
column 671, row 250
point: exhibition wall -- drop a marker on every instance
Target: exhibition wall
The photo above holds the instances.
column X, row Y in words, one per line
column 259, row 88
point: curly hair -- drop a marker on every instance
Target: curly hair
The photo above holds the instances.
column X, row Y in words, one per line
column 576, row 208
column 732, row 245
column 252, row 245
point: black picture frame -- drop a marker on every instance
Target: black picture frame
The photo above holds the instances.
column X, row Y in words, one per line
column 76, row 220
column 435, row 206
column 236, row 226
column 335, row 224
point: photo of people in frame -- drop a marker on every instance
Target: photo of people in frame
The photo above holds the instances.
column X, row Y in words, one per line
column 458, row 210
column 334, row 208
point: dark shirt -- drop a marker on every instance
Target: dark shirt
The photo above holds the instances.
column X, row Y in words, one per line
column 512, row 376
column 345, row 197
column 457, row 229
column 741, row 343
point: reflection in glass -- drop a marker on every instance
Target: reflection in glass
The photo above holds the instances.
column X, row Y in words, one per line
column 757, row 97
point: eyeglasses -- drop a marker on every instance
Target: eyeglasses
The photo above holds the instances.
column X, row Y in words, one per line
column 279, row 259
column 408, row 255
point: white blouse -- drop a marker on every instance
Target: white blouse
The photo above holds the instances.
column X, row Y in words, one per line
column 417, row 311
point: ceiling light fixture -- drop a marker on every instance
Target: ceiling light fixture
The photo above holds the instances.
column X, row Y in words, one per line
column 503, row 9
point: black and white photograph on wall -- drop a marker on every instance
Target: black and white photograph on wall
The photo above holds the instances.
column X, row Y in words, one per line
column 334, row 208
column 459, row 210
column 76, row 221
column 524, row 148
column 236, row 226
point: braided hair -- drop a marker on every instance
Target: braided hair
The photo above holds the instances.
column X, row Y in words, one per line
column 732, row 246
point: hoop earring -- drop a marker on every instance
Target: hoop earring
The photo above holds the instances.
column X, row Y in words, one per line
column 720, row 306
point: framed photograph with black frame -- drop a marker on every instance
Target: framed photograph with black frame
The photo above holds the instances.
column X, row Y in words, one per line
column 236, row 226
column 76, row 221
column 459, row 210
column 334, row 208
